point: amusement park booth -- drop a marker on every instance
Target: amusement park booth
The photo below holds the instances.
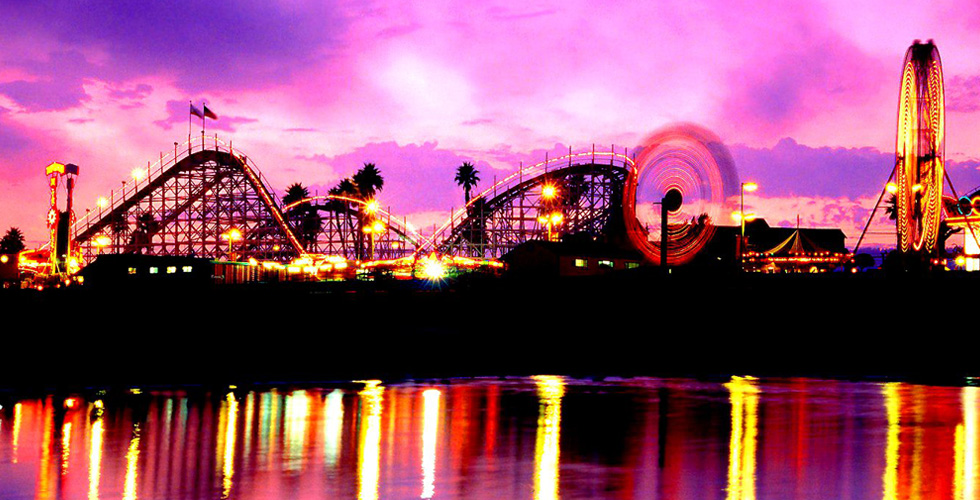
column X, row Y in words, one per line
column 569, row 258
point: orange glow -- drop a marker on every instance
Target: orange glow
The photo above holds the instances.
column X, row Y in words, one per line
column 749, row 186
column 233, row 234
column 4, row 259
column 551, row 389
column 71, row 403
column 372, row 206
column 549, row 192
column 102, row 241
column 138, row 174
column 102, row 202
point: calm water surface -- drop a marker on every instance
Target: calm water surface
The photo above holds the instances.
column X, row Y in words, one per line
column 539, row 437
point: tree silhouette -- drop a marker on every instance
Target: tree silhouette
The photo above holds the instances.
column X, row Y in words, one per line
column 466, row 177
column 295, row 192
column 13, row 241
column 891, row 207
column 368, row 181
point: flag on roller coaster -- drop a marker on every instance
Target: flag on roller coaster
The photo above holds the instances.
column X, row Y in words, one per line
column 196, row 112
column 210, row 114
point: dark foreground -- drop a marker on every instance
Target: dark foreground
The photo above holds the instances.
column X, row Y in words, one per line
column 641, row 323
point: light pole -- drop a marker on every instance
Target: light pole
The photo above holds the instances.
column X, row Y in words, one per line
column 750, row 187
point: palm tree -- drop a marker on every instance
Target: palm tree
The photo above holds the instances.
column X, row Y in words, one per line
column 467, row 176
column 295, row 192
column 368, row 181
column 13, row 241
column 891, row 207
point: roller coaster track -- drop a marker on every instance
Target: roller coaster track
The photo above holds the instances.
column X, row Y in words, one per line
column 588, row 199
column 185, row 203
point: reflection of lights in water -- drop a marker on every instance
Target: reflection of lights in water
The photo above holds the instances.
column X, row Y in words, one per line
column 368, row 460
column 297, row 412
column 43, row 486
column 333, row 423
column 249, row 408
column 65, row 447
column 966, row 446
column 430, row 426
column 229, row 453
column 17, row 418
column 95, row 460
column 132, row 460
column 892, row 408
column 546, row 451
column 744, row 396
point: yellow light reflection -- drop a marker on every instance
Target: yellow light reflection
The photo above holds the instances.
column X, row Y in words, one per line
column 546, row 450
column 369, row 456
column 17, row 419
column 892, row 409
column 65, row 447
column 430, row 427
column 132, row 460
column 333, row 423
column 228, row 471
column 95, row 460
column 744, row 396
column 297, row 413
column 966, row 446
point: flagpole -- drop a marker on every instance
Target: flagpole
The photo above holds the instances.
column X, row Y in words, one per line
column 189, row 120
column 204, row 122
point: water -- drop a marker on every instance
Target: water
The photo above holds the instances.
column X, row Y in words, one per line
column 540, row 437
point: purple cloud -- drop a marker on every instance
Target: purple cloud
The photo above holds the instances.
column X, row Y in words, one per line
column 204, row 45
column 58, row 83
column 963, row 94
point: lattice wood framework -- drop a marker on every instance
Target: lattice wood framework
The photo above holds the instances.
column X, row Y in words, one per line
column 350, row 228
column 209, row 203
column 587, row 200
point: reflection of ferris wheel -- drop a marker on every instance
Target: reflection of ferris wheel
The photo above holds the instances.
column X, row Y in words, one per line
column 920, row 149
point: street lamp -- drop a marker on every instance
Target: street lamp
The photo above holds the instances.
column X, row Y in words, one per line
column 232, row 235
column 750, row 187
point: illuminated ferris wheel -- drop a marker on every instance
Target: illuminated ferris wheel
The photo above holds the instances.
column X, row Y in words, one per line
column 920, row 149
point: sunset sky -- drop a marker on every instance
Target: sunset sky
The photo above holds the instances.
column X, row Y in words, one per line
column 804, row 93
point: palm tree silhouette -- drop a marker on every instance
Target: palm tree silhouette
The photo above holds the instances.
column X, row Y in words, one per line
column 295, row 192
column 13, row 241
column 466, row 177
column 368, row 181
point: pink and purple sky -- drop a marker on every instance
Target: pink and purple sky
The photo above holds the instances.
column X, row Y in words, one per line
column 804, row 93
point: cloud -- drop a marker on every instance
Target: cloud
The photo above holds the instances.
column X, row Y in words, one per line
column 963, row 94
column 203, row 44
column 57, row 84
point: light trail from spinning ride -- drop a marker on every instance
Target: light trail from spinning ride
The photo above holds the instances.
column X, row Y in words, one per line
column 694, row 161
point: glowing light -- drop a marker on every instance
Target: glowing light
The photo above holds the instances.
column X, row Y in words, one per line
column 252, row 261
column 749, row 186
column 916, row 188
column 891, row 188
column 378, row 227
column 966, row 445
column 102, row 240
column 892, row 408
column 232, row 235
column 132, row 460
column 549, row 192
column 433, row 268
column 95, row 460
column 960, row 260
column 138, row 174
column 228, row 458
column 372, row 206
column 430, row 428
column 556, row 218
column 737, row 216
column 54, row 168
column 70, row 403
column 333, row 426
column 4, row 259
column 65, row 447
column 102, row 202
column 744, row 397
column 369, row 455
column 546, row 449
column 297, row 414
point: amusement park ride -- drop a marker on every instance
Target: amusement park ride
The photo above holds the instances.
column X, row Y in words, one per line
column 206, row 199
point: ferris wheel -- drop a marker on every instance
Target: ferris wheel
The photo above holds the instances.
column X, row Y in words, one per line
column 920, row 149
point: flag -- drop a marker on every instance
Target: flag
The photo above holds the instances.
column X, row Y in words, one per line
column 210, row 114
column 196, row 112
